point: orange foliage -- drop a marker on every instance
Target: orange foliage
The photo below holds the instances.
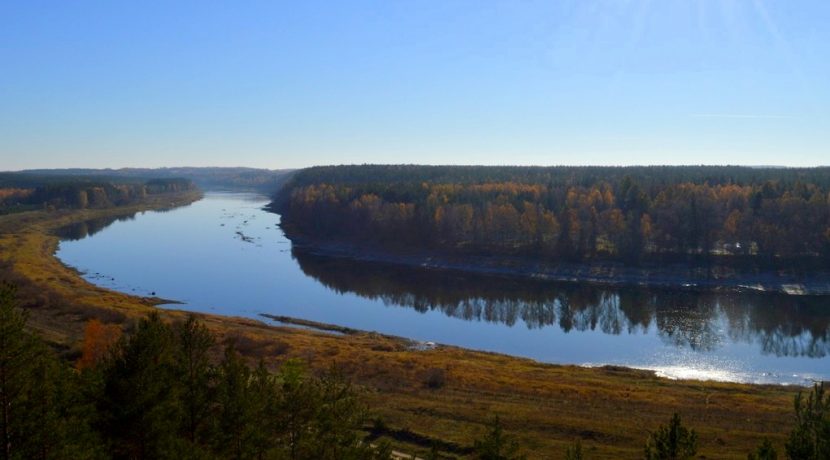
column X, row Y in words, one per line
column 14, row 193
column 98, row 338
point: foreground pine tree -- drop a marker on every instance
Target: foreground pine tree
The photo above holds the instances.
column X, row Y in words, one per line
column 810, row 439
column 42, row 413
column 671, row 442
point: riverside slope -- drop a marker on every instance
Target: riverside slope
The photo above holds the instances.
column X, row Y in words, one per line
column 674, row 276
column 546, row 406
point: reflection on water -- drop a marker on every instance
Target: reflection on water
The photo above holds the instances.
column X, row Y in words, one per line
column 81, row 230
column 226, row 255
column 780, row 325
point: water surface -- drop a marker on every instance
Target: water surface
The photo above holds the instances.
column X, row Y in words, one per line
column 225, row 255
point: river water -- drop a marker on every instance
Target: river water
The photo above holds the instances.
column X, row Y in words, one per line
column 226, row 255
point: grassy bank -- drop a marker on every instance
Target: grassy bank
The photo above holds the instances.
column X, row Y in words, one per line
column 444, row 394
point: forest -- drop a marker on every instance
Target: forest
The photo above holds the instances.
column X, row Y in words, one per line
column 24, row 192
column 167, row 391
column 704, row 214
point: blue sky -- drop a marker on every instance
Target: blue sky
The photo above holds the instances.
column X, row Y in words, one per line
column 292, row 84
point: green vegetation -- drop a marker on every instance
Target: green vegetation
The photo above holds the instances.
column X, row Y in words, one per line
column 765, row 451
column 544, row 407
column 810, row 440
column 155, row 394
column 735, row 215
column 497, row 445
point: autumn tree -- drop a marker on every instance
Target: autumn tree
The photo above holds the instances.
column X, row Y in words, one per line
column 97, row 341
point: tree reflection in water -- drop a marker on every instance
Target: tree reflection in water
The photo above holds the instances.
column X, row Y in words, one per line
column 702, row 321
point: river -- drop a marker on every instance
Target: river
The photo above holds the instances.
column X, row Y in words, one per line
column 225, row 255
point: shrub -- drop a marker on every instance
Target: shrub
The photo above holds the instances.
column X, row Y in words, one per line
column 435, row 378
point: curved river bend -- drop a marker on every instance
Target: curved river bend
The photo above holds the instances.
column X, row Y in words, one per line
column 225, row 255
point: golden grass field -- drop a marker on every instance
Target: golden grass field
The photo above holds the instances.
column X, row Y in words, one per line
column 546, row 407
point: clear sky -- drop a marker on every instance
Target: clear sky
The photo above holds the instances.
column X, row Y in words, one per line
column 289, row 84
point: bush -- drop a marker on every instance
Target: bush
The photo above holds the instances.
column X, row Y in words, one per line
column 764, row 452
column 435, row 378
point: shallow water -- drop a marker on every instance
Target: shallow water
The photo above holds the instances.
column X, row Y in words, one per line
column 225, row 255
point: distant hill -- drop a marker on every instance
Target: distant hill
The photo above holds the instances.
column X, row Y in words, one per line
column 210, row 178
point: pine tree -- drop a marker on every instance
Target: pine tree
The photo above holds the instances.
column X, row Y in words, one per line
column 196, row 374
column 139, row 405
column 236, row 407
column 17, row 353
column 671, row 442
column 810, row 439
column 496, row 445
column 339, row 419
column 299, row 406
column 43, row 413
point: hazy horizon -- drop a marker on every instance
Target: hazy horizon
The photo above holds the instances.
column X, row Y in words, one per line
column 208, row 166
column 285, row 86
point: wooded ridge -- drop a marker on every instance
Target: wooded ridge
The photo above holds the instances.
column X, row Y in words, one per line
column 770, row 218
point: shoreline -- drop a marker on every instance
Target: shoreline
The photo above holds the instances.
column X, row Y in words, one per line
column 546, row 405
column 674, row 276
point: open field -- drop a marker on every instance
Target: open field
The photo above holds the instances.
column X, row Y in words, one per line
column 442, row 394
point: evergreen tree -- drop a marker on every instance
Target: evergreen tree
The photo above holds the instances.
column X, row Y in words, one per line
column 139, row 407
column 340, row 417
column 298, row 408
column 496, row 445
column 17, row 353
column 235, row 421
column 43, row 416
column 671, row 442
column 197, row 375
column 810, row 439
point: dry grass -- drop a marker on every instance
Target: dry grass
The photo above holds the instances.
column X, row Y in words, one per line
column 546, row 406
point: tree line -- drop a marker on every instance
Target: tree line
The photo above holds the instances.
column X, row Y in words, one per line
column 263, row 180
column 19, row 192
column 632, row 214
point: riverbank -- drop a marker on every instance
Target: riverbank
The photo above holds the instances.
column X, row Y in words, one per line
column 422, row 395
column 671, row 276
